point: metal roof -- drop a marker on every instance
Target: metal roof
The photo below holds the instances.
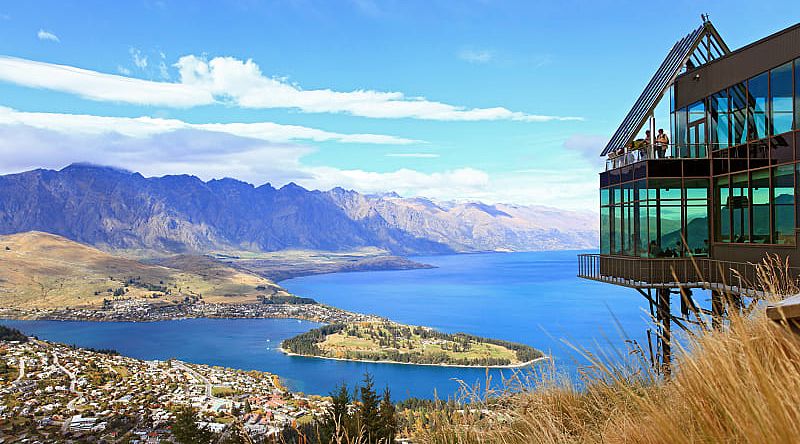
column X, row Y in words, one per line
column 697, row 48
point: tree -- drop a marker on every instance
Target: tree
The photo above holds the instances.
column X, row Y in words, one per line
column 337, row 419
column 367, row 413
column 186, row 430
column 388, row 420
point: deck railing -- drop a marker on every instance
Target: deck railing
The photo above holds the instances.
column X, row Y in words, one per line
column 697, row 272
column 671, row 151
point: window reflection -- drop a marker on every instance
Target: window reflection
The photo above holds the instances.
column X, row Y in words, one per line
column 757, row 89
column 781, row 99
column 738, row 95
column 760, row 195
column 720, row 120
column 739, row 203
column 723, row 213
column 783, row 201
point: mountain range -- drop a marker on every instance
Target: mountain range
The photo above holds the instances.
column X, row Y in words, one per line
column 114, row 209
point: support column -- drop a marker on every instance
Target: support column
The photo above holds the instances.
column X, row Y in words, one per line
column 664, row 316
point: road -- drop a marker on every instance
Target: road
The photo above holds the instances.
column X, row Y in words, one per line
column 21, row 370
column 197, row 374
column 73, row 383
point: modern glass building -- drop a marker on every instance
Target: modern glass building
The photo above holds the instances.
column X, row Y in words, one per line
column 695, row 211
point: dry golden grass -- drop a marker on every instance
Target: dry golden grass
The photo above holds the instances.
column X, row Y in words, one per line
column 738, row 385
column 41, row 270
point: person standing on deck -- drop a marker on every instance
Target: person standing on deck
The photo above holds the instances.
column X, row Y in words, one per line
column 662, row 142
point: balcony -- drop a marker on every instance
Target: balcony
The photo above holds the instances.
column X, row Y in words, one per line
column 693, row 272
column 644, row 151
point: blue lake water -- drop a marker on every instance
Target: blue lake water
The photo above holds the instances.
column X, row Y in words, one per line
column 533, row 298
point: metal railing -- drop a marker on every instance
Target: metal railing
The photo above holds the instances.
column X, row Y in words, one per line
column 643, row 151
column 698, row 272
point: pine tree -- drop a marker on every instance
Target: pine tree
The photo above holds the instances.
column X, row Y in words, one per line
column 337, row 418
column 186, row 430
column 388, row 420
column 368, row 419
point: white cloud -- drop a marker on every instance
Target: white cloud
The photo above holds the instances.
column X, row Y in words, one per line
column 208, row 155
column 476, row 55
column 138, row 59
column 588, row 146
column 202, row 153
column 414, row 155
column 241, row 83
column 140, row 127
column 46, row 35
column 94, row 85
column 123, row 70
column 456, row 183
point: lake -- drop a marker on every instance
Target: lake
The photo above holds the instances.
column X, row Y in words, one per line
column 533, row 298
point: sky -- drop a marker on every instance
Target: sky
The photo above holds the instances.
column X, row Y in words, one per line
column 497, row 101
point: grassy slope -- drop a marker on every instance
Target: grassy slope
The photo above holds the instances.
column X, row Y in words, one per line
column 41, row 270
column 357, row 340
column 363, row 341
column 741, row 385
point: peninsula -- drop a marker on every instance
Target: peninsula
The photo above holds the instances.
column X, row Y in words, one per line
column 390, row 342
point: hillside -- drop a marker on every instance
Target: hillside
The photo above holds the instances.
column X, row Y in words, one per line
column 738, row 385
column 396, row 343
column 471, row 226
column 113, row 209
column 42, row 270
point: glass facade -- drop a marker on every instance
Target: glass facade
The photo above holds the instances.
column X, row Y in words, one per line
column 655, row 218
column 751, row 130
column 756, row 207
column 780, row 100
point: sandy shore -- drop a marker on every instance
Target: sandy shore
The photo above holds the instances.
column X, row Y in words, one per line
column 510, row 366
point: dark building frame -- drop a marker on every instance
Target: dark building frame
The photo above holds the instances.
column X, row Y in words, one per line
column 727, row 193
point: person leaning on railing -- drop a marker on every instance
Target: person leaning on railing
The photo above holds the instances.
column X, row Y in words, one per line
column 662, row 142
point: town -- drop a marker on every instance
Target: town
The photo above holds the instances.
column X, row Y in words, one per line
column 142, row 310
column 54, row 392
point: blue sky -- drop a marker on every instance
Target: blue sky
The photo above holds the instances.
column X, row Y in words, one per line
column 500, row 101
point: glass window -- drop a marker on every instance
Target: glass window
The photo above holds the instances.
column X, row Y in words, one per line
column 797, row 94
column 757, row 90
column 641, row 229
column 670, row 240
column 616, row 229
column 641, row 189
column 738, row 97
column 723, row 214
column 783, row 201
column 780, row 89
column 605, row 230
column 696, row 131
column 759, row 200
column 696, row 189
column 697, row 230
column 628, row 232
column 679, row 133
column 720, row 123
column 668, row 189
column 740, row 208
column 654, row 247
column 604, row 196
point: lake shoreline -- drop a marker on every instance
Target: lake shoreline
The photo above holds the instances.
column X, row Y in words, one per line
column 509, row 366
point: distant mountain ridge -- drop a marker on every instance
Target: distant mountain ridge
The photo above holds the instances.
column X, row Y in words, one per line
column 117, row 209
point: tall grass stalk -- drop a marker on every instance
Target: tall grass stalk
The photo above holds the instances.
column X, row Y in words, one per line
column 740, row 384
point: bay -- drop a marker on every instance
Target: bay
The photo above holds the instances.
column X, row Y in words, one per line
column 533, row 298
